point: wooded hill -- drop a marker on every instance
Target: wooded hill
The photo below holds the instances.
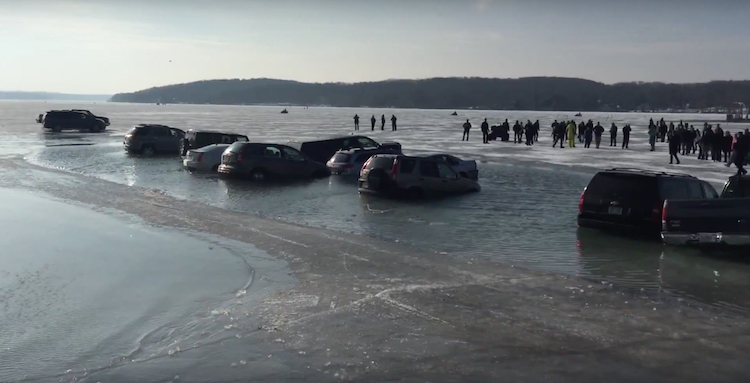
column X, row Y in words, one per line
column 530, row 93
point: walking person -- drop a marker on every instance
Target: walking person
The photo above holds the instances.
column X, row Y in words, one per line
column 373, row 121
column 558, row 133
column 674, row 147
column 613, row 135
column 485, row 132
column 626, row 136
column 356, row 122
column 382, row 122
column 393, row 122
column 467, row 128
column 588, row 136
column 739, row 152
column 653, row 131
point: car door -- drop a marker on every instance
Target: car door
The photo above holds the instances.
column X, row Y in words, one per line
column 271, row 161
column 450, row 182
column 429, row 177
column 162, row 140
column 295, row 164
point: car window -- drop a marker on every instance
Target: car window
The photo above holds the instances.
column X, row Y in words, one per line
column 672, row 188
column 162, row 132
column 176, row 133
column 613, row 186
column 429, row 169
column 366, row 142
column 694, row 189
column 241, row 139
column 708, row 190
column 340, row 157
column 141, row 131
column 408, row 165
column 271, row 151
column 380, row 163
column 446, row 172
column 292, row 155
column 735, row 189
column 226, row 139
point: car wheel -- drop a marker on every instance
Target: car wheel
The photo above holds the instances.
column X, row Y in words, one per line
column 258, row 175
column 148, row 151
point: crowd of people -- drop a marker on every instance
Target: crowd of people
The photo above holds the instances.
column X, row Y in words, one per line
column 374, row 121
column 682, row 139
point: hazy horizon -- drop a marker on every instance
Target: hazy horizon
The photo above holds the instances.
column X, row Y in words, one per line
column 88, row 47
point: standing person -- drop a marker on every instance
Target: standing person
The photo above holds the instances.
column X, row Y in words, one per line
column 571, row 132
column 558, row 133
column 674, row 146
column 529, row 132
column 485, row 132
column 467, row 128
column 373, row 121
column 393, row 122
column 613, row 135
column 726, row 147
column 382, row 122
column 626, row 136
column 588, row 135
column 517, row 129
column 653, row 131
column 739, row 153
column 356, row 122
column 536, row 130
column 598, row 131
column 581, row 130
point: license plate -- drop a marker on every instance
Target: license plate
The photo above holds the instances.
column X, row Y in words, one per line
column 709, row 237
column 615, row 210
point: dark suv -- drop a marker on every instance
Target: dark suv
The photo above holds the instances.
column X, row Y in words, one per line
column 196, row 139
column 59, row 120
column 260, row 162
column 631, row 200
column 150, row 139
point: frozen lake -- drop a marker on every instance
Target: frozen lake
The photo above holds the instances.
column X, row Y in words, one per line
column 524, row 216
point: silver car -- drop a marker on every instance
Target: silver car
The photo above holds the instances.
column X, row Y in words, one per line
column 205, row 159
column 349, row 162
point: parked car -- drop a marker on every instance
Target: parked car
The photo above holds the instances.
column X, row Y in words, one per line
column 413, row 177
column 59, row 120
column 84, row 111
column 714, row 221
column 322, row 150
column 196, row 139
column 467, row 168
column 631, row 200
column 260, row 162
column 205, row 159
column 150, row 139
column 350, row 161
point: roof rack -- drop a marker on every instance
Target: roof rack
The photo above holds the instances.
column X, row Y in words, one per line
column 650, row 172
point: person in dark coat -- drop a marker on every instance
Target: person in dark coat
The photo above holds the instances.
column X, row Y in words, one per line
column 536, row 130
column 726, row 146
column 485, row 132
column 739, row 153
column 467, row 128
column 373, row 121
column 674, row 146
column 529, row 133
column 613, row 135
column 626, row 136
column 517, row 132
column 356, row 122
column 588, row 136
column 382, row 122
column 558, row 133
column 598, row 131
column 393, row 123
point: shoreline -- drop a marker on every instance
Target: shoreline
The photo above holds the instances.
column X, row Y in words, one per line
column 371, row 310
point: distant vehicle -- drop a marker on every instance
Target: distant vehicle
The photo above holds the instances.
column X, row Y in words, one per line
column 322, row 150
column 714, row 221
column 199, row 138
column 205, row 159
column 84, row 111
column 284, row 111
column 412, row 177
column 631, row 200
column 151, row 139
column 349, row 162
column 59, row 120
column 261, row 162
column 467, row 168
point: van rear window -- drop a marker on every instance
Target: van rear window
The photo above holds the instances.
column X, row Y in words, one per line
column 341, row 157
column 676, row 188
column 614, row 186
column 380, row 163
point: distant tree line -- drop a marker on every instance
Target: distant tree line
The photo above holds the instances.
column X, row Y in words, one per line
column 530, row 93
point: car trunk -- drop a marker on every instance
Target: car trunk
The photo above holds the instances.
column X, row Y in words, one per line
column 716, row 215
column 627, row 199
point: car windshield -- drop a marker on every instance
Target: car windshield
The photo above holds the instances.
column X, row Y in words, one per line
column 380, row 162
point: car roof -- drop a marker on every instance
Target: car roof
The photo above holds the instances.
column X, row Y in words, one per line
column 331, row 138
column 361, row 150
column 153, row 126
column 211, row 147
column 646, row 173
column 196, row 131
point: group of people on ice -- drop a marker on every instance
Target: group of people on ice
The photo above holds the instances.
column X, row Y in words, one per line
column 529, row 131
column 373, row 121
column 587, row 132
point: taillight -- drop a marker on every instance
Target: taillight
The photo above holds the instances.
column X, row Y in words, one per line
column 394, row 168
column 200, row 157
column 664, row 216
column 366, row 163
column 348, row 166
column 657, row 212
column 580, row 201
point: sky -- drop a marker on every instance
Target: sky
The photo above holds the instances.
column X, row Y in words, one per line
column 113, row 46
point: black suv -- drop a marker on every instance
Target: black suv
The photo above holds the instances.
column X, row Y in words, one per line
column 631, row 200
column 196, row 139
column 59, row 120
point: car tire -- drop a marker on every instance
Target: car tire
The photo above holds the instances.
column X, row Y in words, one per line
column 148, row 151
column 258, row 175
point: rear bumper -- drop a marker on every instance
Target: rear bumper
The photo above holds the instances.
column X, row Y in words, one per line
column 651, row 230
column 719, row 239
